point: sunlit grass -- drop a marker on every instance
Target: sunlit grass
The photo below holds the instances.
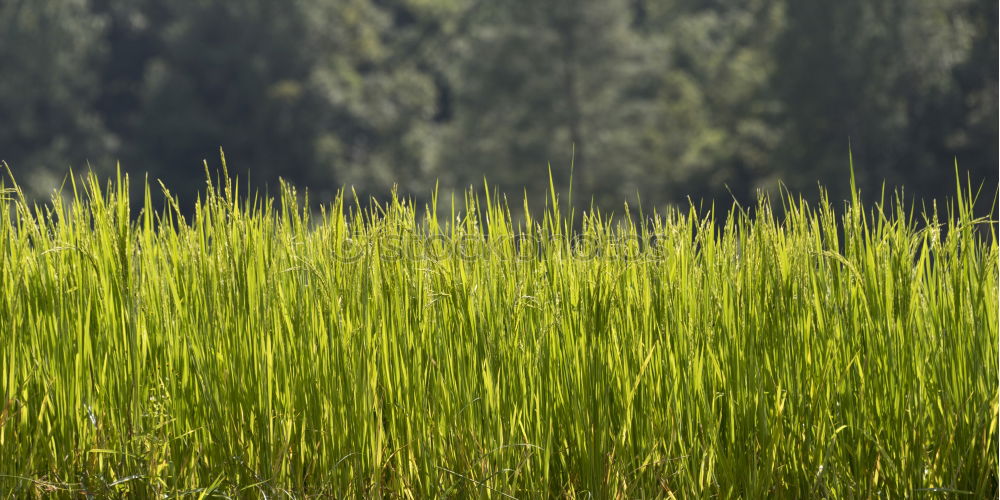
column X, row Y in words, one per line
column 840, row 350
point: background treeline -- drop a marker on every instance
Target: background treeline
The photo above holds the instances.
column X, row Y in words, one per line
column 664, row 98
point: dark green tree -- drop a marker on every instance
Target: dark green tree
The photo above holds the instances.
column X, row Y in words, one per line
column 541, row 82
column 228, row 74
column 49, row 50
column 711, row 127
column 300, row 89
column 381, row 96
column 900, row 79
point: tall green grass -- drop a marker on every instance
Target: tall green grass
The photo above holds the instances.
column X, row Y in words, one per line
column 257, row 349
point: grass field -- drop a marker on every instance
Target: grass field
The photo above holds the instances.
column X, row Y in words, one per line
column 255, row 349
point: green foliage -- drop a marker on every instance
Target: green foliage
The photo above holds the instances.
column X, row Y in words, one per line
column 714, row 123
column 545, row 81
column 888, row 76
column 658, row 98
column 47, row 51
column 257, row 348
column 298, row 84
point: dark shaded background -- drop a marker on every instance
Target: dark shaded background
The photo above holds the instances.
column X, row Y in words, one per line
column 666, row 99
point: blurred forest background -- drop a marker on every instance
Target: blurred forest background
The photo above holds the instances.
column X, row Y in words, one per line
column 665, row 98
